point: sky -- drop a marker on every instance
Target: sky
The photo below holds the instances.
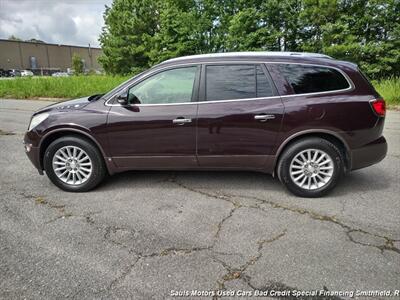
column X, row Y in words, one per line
column 72, row 22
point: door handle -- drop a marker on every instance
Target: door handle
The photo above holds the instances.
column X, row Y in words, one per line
column 264, row 117
column 181, row 121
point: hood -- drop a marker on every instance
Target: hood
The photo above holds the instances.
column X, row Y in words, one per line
column 68, row 105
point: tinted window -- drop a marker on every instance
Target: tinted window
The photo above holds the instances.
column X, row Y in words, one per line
column 264, row 88
column 226, row 82
column 312, row 79
column 171, row 86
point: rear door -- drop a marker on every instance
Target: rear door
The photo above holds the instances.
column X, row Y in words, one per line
column 239, row 116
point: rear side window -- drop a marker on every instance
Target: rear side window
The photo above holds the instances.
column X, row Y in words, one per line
column 313, row 79
column 264, row 88
column 228, row 82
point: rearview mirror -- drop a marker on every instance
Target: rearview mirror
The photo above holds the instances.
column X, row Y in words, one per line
column 123, row 98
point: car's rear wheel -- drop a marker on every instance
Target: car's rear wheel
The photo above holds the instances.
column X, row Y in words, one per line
column 311, row 167
column 74, row 164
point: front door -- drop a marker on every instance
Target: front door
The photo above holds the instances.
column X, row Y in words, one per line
column 157, row 129
column 239, row 117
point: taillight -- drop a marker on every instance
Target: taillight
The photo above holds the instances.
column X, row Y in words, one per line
column 379, row 107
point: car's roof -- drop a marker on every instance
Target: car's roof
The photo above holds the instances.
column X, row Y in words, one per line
column 264, row 56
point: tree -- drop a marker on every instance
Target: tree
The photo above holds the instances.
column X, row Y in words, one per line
column 14, row 38
column 77, row 64
column 178, row 32
column 140, row 33
column 366, row 32
column 35, row 41
column 128, row 26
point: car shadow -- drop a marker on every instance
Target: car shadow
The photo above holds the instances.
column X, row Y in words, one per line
column 362, row 181
column 354, row 182
column 198, row 179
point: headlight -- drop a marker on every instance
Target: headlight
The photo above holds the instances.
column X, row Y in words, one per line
column 36, row 120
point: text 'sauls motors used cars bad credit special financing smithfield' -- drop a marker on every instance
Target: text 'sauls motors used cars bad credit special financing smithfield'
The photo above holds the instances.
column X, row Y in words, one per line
column 304, row 117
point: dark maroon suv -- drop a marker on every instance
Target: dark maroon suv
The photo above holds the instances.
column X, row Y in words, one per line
column 304, row 117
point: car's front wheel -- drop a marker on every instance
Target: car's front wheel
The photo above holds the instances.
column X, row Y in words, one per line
column 311, row 167
column 74, row 164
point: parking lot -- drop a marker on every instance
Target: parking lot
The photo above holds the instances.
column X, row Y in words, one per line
column 145, row 235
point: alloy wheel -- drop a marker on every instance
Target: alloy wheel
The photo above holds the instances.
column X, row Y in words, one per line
column 72, row 165
column 311, row 169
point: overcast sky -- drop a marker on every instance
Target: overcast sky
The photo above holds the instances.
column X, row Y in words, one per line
column 75, row 22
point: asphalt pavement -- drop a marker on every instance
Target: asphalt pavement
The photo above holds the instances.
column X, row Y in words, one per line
column 154, row 235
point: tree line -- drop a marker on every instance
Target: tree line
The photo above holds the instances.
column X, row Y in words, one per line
column 140, row 33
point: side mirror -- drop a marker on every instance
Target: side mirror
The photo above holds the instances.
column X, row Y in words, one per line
column 123, row 98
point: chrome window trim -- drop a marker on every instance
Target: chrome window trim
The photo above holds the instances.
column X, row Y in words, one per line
column 349, row 81
column 202, row 102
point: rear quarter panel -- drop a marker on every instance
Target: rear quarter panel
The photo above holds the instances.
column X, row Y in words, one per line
column 345, row 114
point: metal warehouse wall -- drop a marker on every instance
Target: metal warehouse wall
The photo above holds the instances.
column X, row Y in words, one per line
column 16, row 55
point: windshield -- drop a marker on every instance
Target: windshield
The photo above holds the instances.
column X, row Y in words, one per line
column 116, row 89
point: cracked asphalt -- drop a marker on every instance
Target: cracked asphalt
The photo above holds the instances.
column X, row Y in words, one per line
column 141, row 235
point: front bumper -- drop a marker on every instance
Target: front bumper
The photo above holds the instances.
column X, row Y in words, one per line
column 369, row 154
column 33, row 154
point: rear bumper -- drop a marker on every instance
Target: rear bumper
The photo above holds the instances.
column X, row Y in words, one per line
column 369, row 154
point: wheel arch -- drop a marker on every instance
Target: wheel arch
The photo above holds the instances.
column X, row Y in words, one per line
column 51, row 136
column 333, row 137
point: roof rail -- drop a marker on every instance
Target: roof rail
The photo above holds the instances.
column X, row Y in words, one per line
column 252, row 53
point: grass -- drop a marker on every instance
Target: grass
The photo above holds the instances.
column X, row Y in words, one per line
column 389, row 90
column 58, row 87
column 79, row 86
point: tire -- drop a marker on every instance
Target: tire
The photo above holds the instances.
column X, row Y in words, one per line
column 321, row 173
column 59, row 155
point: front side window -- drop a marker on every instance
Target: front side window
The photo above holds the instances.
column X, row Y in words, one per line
column 229, row 82
column 313, row 79
column 171, row 86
